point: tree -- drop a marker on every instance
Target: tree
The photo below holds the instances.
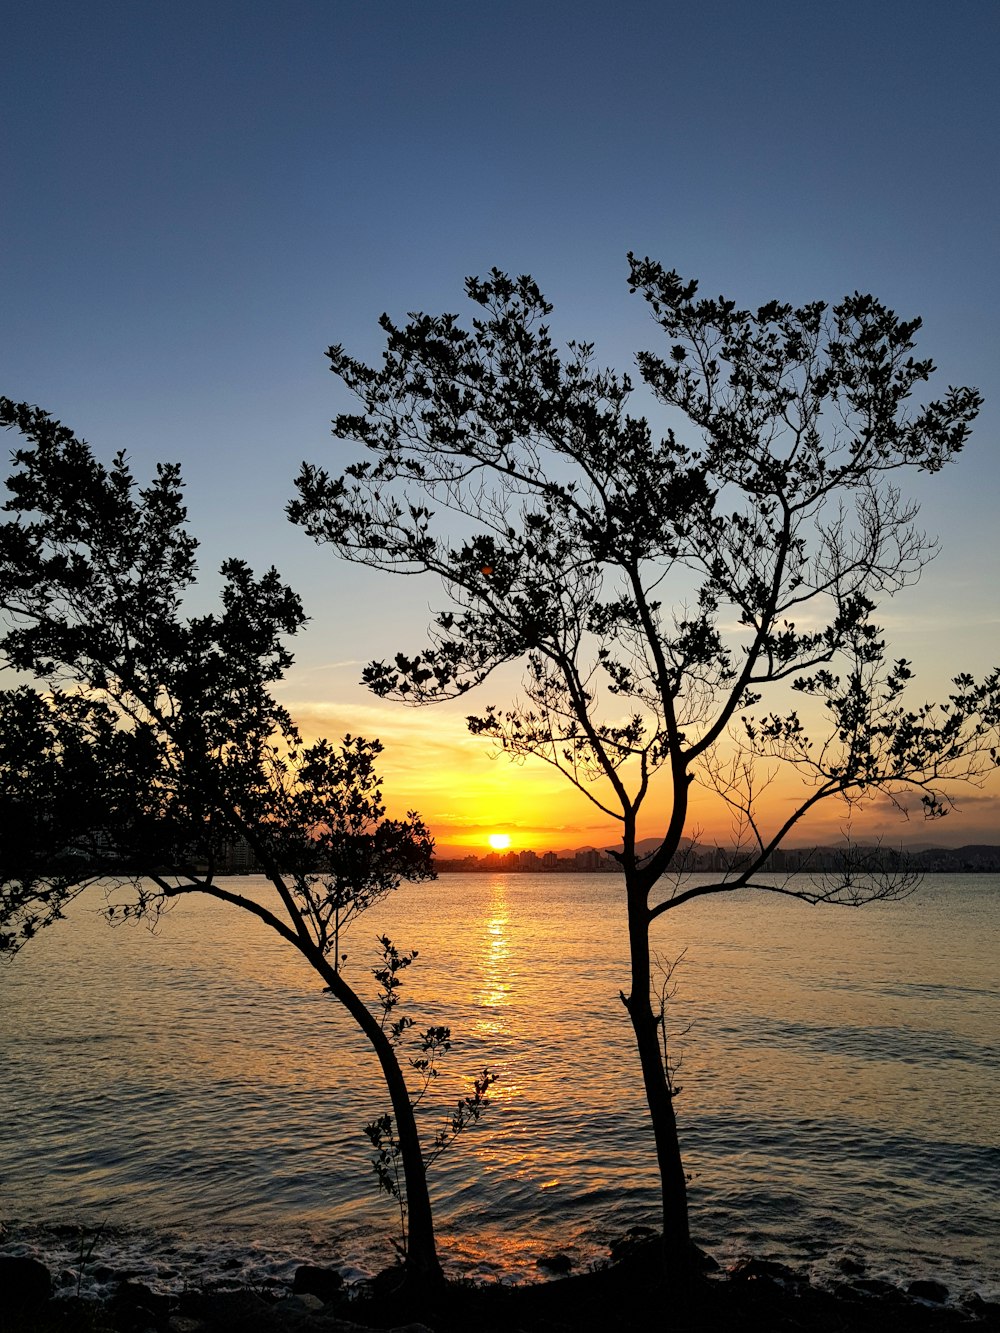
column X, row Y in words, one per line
column 150, row 742
column 616, row 564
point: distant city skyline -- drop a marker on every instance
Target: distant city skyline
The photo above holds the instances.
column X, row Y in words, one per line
column 977, row 859
column 201, row 199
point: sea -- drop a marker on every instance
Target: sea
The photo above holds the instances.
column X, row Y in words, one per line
column 186, row 1105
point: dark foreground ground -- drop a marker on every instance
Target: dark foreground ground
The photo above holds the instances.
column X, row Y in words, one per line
column 753, row 1298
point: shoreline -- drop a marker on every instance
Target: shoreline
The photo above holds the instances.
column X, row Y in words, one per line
column 616, row 1296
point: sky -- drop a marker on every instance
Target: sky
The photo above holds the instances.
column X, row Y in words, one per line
column 199, row 199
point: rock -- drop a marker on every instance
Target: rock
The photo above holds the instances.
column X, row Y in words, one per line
column 68, row 1312
column 981, row 1309
column 850, row 1266
column 326, row 1283
column 703, row 1260
column 926, row 1289
column 754, row 1270
column 642, row 1245
column 303, row 1301
column 389, row 1281
column 182, row 1323
column 843, row 1291
column 637, row 1242
column 554, row 1263
column 138, row 1307
column 229, row 1310
column 25, row 1283
column 876, row 1286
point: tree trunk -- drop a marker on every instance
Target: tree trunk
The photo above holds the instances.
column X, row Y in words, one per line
column 422, row 1259
column 678, row 1252
column 421, row 1250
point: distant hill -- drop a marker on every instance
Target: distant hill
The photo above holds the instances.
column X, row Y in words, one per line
column 974, row 850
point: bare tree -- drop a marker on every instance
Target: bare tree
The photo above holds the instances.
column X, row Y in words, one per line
column 658, row 588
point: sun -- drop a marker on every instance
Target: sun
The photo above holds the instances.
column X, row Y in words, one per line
column 499, row 841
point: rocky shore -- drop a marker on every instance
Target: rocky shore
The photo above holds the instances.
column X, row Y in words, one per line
column 753, row 1296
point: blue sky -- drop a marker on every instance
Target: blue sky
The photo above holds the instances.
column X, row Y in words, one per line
column 198, row 199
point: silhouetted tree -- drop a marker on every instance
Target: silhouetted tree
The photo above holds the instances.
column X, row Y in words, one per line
column 657, row 588
column 150, row 743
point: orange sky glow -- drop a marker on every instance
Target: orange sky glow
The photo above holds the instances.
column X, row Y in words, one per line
column 220, row 242
column 465, row 795
column 433, row 765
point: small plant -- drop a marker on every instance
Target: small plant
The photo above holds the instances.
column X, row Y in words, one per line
column 431, row 1045
column 88, row 1243
column 667, row 992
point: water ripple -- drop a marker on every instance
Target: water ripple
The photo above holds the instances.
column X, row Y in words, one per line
column 198, row 1093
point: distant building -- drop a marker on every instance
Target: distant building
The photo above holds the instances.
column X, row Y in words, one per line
column 697, row 859
column 236, row 857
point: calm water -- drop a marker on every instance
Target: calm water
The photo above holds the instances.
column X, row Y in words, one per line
column 197, row 1094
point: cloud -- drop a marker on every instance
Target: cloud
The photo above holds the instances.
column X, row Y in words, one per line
column 392, row 723
column 991, row 801
column 319, row 667
column 450, row 825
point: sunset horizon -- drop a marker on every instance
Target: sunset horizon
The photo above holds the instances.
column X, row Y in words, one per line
column 499, row 667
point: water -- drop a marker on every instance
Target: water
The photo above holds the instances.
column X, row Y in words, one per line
column 193, row 1096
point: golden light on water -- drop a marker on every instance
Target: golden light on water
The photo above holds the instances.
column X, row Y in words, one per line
column 495, row 988
column 495, row 985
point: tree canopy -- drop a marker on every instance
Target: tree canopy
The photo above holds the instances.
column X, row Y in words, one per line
column 658, row 586
column 152, row 740
column 149, row 741
column 697, row 602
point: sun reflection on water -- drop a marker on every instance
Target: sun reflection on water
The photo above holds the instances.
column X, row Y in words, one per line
column 496, row 981
column 495, row 961
column 871, row 1032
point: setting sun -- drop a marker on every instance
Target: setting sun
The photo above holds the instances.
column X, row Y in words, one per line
column 499, row 841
